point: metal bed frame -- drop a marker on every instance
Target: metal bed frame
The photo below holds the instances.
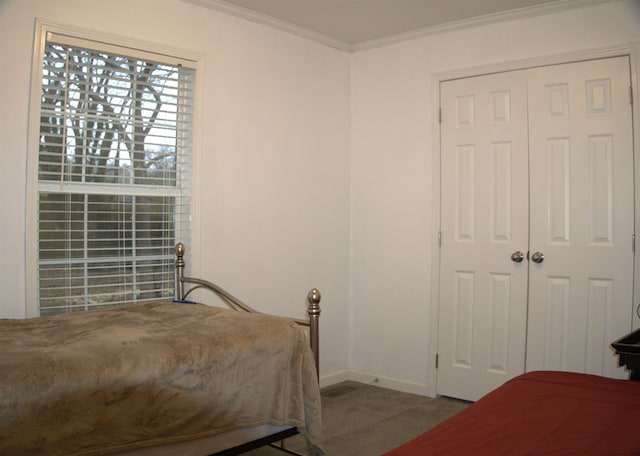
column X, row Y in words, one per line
column 186, row 285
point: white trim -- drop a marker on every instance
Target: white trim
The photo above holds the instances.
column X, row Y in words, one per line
column 122, row 41
column 31, row 205
column 334, row 378
column 488, row 19
column 193, row 257
column 73, row 40
column 278, row 24
column 534, row 62
column 634, row 60
column 355, row 375
column 194, row 60
column 434, row 314
column 106, row 189
column 631, row 50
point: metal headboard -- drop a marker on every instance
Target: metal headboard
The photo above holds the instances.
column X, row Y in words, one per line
column 313, row 300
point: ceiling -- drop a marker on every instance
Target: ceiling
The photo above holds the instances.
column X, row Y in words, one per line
column 353, row 24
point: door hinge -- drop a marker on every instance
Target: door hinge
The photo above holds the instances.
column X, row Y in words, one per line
column 633, row 243
column 436, row 360
column 631, row 95
column 439, row 115
column 439, row 238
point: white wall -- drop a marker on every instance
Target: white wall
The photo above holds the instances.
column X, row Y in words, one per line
column 318, row 165
column 274, row 206
column 392, row 173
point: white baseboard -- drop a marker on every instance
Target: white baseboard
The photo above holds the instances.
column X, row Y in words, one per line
column 377, row 380
column 334, row 378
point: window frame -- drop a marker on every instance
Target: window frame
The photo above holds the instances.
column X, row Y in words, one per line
column 115, row 44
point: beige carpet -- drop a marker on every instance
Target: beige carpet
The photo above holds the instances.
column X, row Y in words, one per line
column 366, row 420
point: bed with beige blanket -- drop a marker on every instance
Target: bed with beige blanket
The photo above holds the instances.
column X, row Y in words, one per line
column 147, row 377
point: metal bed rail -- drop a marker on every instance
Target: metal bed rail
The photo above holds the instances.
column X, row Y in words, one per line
column 313, row 302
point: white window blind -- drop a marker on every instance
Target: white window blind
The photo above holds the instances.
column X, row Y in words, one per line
column 114, row 174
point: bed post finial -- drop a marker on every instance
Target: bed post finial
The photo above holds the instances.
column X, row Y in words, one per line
column 180, row 264
column 314, row 300
column 313, row 309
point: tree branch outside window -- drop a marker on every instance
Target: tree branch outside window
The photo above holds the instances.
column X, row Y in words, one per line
column 114, row 187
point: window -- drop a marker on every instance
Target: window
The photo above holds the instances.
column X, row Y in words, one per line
column 113, row 173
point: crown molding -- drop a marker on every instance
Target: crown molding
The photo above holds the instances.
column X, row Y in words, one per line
column 520, row 13
column 253, row 16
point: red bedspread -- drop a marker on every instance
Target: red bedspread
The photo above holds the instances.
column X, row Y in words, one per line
column 541, row 413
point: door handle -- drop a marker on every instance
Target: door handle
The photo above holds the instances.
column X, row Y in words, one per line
column 537, row 257
column 517, row 256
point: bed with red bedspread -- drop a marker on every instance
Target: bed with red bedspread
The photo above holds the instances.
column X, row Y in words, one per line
column 541, row 413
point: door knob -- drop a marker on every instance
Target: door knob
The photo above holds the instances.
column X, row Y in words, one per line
column 537, row 257
column 517, row 257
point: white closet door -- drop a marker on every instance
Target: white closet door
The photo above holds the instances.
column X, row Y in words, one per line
column 482, row 313
column 581, row 164
column 538, row 161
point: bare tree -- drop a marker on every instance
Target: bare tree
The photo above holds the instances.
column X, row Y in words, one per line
column 100, row 121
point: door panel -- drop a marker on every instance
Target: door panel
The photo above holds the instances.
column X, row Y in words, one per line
column 581, row 160
column 538, row 161
column 484, row 220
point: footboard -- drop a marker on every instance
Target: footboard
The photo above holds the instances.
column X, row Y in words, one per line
column 313, row 298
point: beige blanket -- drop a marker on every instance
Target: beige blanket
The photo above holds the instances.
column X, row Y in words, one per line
column 101, row 382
